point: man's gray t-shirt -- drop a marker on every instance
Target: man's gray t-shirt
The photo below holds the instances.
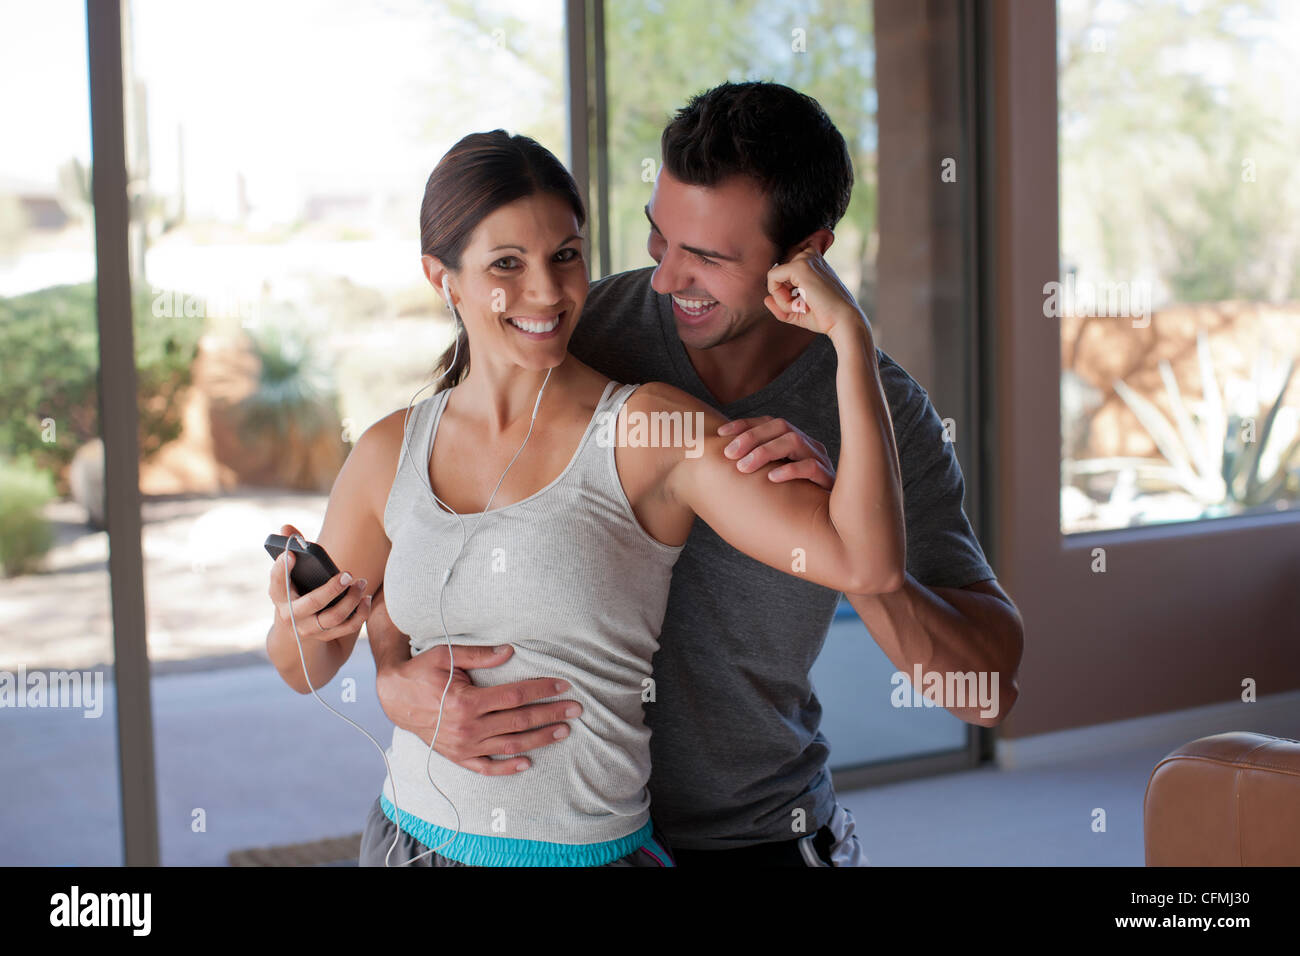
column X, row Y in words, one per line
column 735, row 745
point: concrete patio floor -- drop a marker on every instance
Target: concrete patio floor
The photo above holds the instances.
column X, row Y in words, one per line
column 244, row 762
column 261, row 766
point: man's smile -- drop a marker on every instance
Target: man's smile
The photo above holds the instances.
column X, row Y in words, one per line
column 693, row 311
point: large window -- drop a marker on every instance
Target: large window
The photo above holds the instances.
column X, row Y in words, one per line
column 1180, row 260
column 879, row 70
column 659, row 55
column 276, row 157
column 279, row 203
column 58, row 726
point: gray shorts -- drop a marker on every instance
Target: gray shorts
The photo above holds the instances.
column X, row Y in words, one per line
column 377, row 838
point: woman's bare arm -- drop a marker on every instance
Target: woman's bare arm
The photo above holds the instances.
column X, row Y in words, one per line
column 353, row 536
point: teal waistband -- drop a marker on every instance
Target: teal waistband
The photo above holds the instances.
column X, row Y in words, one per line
column 474, row 849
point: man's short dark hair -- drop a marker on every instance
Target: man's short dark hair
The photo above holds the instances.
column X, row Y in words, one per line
column 777, row 136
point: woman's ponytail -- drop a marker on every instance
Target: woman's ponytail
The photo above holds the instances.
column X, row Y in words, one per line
column 455, row 372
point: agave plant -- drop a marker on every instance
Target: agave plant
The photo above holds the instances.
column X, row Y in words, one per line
column 1208, row 453
column 295, row 403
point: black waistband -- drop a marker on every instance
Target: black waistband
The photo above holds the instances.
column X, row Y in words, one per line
column 781, row 853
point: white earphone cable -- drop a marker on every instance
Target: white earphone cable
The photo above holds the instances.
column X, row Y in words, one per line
column 424, row 479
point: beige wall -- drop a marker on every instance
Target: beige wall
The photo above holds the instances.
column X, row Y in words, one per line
column 920, row 298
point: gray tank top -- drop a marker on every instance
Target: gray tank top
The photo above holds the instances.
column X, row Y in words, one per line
column 570, row 578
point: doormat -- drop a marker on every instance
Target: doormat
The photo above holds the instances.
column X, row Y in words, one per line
column 335, row 851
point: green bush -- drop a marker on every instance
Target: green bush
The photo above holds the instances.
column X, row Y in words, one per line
column 25, row 535
column 49, row 372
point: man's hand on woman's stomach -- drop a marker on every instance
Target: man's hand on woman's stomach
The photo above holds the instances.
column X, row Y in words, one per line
column 478, row 723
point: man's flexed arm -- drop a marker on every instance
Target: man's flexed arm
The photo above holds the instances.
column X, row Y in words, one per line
column 850, row 539
column 976, row 628
column 477, row 722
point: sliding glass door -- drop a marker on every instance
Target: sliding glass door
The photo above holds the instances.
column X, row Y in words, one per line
column 58, row 726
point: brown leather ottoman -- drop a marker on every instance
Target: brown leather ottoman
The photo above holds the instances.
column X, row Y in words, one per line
column 1228, row 800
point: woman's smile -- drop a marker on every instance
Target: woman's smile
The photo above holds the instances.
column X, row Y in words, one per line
column 537, row 327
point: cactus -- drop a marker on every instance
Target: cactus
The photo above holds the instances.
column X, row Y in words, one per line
column 1208, row 456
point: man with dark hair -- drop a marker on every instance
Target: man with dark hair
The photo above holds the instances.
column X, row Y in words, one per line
column 806, row 174
column 752, row 173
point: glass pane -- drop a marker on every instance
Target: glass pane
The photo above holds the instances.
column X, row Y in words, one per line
column 1180, row 241
column 658, row 57
column 279, row 167
column 856, row 684
column 58, row 727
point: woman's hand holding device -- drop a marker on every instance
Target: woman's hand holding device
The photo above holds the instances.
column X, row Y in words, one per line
column 330, row 608
column 328, row 613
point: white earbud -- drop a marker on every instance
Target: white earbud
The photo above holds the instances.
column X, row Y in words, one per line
column 446, row 294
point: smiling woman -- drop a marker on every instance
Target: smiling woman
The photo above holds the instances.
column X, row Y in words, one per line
column 488, row 171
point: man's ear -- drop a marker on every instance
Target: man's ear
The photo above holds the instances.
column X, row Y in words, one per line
column 820, row 240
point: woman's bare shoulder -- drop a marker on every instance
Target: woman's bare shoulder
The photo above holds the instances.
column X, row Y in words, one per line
column 377, row 452
column 660, row 396
column 662, row 425
column 657, row 427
